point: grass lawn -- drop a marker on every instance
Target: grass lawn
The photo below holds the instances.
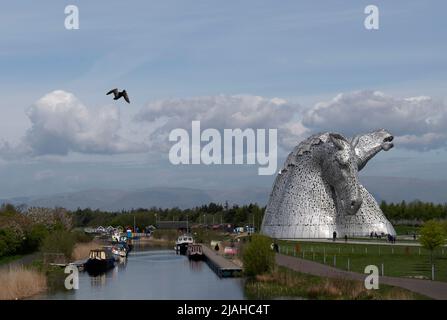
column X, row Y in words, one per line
column 406, row 230
column 398, row 261
column 286, row 283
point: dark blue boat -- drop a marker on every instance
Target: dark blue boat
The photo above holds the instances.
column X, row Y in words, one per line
column 99, row 261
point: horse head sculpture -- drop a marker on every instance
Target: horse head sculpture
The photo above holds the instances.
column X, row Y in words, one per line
column 340, row 168
column 318, row 190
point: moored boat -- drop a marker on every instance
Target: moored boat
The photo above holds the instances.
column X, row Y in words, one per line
column 100, row 260
column 181, row 245
column 120, row 250
column 194, row 251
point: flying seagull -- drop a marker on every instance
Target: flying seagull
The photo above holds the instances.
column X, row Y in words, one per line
column 119, row 94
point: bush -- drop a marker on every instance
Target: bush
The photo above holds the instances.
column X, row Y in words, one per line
column 60, row 241
column 10, row 242
column 257, row 255
column 432, row 235
column 34, row 237
column 81, row 236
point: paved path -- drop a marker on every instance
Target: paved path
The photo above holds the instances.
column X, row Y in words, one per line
column 342, row 241
column 432, row 289
column 25, row 260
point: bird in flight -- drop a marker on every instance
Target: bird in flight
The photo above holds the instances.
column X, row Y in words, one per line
column 118, row 94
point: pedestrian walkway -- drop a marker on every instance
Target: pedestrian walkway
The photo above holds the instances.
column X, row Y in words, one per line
column 372, row 242
column 432, row 289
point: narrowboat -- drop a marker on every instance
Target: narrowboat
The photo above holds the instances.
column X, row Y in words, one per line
column 100, row 260
column 194, row 251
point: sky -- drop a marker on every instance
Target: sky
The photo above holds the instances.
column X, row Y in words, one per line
column 298, row 66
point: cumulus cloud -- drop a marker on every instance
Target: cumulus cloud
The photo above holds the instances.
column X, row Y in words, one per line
column 417, row 122
column 60, row 124
column 222, row 112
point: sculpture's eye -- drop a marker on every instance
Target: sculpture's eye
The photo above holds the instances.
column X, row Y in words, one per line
column 342, row 158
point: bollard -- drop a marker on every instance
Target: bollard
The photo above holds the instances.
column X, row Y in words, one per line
column 433, row 272
column 303, row 254
column 383, row 272
column 335, row 261
column 349, row 265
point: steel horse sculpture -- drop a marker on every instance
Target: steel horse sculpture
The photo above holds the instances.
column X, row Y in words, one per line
column 318, row 190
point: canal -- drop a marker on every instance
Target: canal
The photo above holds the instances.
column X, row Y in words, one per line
column 155, row 274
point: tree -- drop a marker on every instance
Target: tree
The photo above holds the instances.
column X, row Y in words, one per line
column 257, row 256
column 432, row 236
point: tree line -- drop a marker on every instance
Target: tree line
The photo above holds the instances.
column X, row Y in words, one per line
column 212, row 213
column 415, row 210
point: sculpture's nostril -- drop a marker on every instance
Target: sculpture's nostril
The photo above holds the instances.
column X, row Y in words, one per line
column 355, row 204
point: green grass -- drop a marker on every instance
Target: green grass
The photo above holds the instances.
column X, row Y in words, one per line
column 406, row 230
column 398, row 261
column 286, row 283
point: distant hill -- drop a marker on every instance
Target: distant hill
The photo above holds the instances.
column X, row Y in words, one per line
column 394, row 189
column 162, row 197
column 391, row 189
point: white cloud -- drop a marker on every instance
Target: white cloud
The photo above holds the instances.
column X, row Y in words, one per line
column 221, row 112
column 60, row 124
column 417, row 122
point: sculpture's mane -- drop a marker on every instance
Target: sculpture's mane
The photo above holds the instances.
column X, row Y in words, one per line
column 306, row 146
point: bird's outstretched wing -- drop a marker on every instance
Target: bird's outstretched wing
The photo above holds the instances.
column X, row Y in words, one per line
column 114, row 91
column 125, row 96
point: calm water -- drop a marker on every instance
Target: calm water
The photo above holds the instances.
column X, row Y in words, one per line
column 155, row 274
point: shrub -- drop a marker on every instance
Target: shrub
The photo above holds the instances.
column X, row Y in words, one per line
column 432, row 235
column 257, row 255
column 59, row 242
column 81, row 236
column 34, row 237
column 10, row 242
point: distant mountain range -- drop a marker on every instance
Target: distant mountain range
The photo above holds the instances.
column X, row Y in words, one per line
column 161, row 197
column 391, row 189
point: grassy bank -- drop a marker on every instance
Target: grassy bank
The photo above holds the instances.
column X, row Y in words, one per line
column 8, row 259
column 398, row 261
column 286, row 283
column 19, row 282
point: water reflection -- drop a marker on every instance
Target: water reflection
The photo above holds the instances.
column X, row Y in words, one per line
column 98, row 280
column 155, row 274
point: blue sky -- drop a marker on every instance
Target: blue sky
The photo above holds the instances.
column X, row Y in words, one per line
column 305, row 52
